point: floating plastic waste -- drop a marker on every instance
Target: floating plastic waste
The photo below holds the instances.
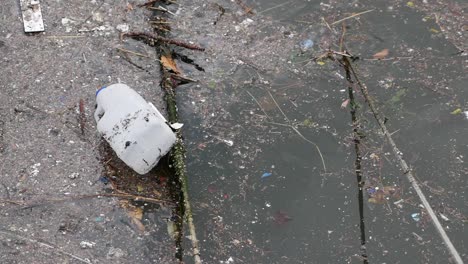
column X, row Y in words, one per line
column 134, row 128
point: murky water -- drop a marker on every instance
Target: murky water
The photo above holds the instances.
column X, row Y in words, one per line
column 258, row 183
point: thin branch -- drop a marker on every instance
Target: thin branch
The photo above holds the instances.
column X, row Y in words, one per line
column 351, row 16
column 306, row 139
column 256, row 101
column 277, row 105
column 247, row 9
column 122, row 195
column 274, row 7
column 299, row 133
column 53, row 248
column 133, row 53
column 328, row 25
column 404, row 166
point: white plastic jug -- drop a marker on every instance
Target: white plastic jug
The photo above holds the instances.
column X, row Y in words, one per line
column 134, row 128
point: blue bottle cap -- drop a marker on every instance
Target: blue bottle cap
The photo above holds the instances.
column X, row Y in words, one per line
column 97, row 92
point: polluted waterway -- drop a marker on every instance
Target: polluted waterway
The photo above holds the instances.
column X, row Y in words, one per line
column 272, row 159
column 286, row 158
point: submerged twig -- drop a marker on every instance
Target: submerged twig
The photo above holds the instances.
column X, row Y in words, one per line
column 351, row 16
column 274, row 7
column 298, row 132
column 258, row 103
column 49, row 246
column 133, row 53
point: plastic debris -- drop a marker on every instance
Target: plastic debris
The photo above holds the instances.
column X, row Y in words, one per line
column 123, row 28
column 228, row 142
column 371, row 190
column 177, row 126
column 445, row 218
column 306, row 44
column 104, row 180
column 416, row 216
column 74, row 175
column 134, row 128
column 32, row 16
column 86, row 244
column 266, row 174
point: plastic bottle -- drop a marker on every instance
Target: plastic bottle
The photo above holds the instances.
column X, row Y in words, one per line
column 134, row 128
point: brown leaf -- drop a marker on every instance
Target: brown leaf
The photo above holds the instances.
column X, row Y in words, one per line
column 345, row 103
column 381, row 54
column 170, row 64
column 129, row 7
column 134, row 213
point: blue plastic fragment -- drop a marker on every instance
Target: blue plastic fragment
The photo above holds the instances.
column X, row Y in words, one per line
column 104, row 180
column 266, row 174
column 100, row 89
column 99, row 219
column 371, row 190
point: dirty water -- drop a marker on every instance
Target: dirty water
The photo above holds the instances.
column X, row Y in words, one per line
column 270, row 149
column 260, row 192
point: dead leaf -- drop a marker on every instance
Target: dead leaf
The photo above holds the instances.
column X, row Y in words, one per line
column 344, row 104
column 170, row 64
column 134, row 213
column 381, row 54
column 129, row 7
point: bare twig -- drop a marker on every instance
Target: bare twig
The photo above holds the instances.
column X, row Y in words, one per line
column 404, row 165
column 133, row 53
column 274, row 7
column 247, row 9
column 121, row 194
column 162, row 9
column 49, row 246
column 342, row 37
column 153, row 37
column 256, row 101
column 65, row 36
column 328, row 25
column 298, row 133
column 351, row 16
